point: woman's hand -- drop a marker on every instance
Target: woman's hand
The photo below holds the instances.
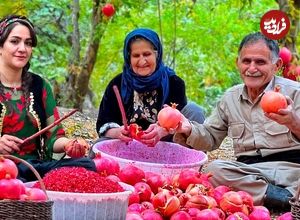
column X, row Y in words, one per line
column 119, row 133
column 10, row 144
column 153, row 135
column 76, row 148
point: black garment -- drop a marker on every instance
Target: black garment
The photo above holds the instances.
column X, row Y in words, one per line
column 109, row 110
column 292, row 156
column 42, row 167
column 37, row 89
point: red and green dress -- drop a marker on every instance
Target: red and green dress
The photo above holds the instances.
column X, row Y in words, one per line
column 18, row 120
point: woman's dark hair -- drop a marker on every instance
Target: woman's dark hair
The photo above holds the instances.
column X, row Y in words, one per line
column 7, row 24
column 258, row 36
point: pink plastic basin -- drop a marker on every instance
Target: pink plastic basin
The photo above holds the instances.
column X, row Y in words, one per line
column 166, row 158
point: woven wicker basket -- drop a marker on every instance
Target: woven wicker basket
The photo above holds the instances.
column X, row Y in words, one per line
column 295, row 205
column 26, row 210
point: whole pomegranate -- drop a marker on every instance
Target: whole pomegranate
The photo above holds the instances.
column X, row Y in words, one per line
column 106, row 166
column 11, row 188
column 207, row 214
column 286, row 55
column 143, row 190
column 181, row 215
column 7, row 166
column 272, row 101
column 35, row 194
column 150, row 214
column 131, row 174
column 259, row 214
column 108, row 10
column 169, row 117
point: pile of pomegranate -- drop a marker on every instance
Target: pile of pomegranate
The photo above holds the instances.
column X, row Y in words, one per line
column 290, row 70
column 14, row 189
column 188, row 195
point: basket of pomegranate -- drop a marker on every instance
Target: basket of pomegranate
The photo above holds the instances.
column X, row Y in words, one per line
column 82, row 194
column 18, row 201
column 165, row 157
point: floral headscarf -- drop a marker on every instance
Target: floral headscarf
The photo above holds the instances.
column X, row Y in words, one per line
column 159, row 78
column 7, row 21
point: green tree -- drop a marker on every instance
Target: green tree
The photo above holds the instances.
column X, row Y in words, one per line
column 80, row 50
column 292, row 9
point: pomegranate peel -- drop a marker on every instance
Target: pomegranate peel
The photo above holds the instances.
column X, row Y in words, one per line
column 76, row 148
column 135, row 131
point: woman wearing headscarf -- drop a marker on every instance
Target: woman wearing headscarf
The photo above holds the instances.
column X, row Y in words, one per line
column 27, row 105
column 146, row 85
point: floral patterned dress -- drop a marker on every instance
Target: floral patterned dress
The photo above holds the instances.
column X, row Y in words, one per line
column 18, row 121
column 145, row 107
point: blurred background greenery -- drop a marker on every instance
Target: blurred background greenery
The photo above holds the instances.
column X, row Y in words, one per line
column 200, row 40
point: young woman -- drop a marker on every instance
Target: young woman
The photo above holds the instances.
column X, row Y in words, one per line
column 27, row 104
column 146, row 84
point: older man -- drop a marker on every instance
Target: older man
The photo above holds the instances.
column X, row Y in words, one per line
column 267, row 146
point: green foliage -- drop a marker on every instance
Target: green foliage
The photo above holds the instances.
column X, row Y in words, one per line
column 51, row 20
column 14, row 7
column 207, row 37
column 200, row 39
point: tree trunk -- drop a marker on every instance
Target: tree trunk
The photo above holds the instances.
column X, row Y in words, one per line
column 80, row 72
column 74, row 59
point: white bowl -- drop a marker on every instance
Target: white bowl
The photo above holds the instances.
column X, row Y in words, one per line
column 165, row 157
column 89, row 206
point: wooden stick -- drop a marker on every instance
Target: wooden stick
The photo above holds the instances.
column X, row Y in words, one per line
column 121, row 107
column 50, row 126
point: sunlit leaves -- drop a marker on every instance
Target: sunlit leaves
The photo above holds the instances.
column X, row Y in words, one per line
column 201, row 39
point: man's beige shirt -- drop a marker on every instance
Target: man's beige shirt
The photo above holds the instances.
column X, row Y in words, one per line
column 241, row 119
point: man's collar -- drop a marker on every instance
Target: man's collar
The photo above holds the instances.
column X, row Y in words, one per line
column 244, row 94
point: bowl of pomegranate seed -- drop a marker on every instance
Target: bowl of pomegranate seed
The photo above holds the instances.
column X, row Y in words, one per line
column 82, row 194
